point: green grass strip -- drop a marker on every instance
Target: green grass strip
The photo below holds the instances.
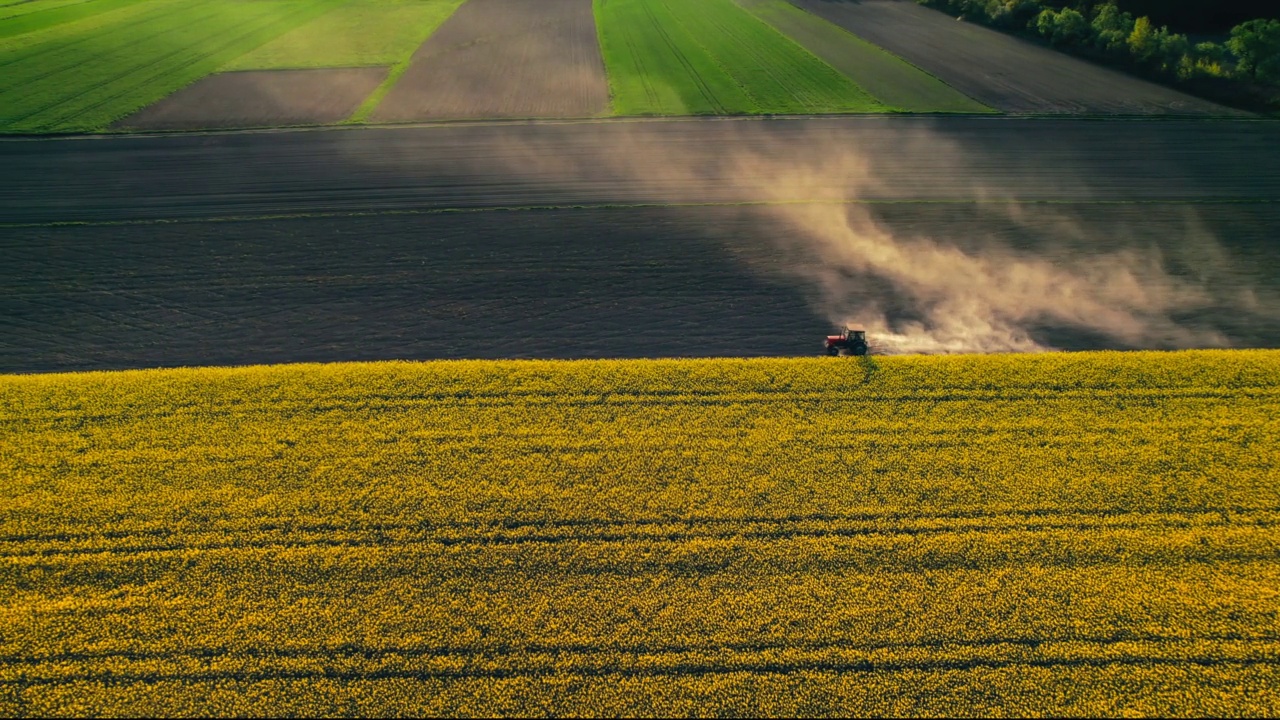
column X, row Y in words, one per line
column 678, row 57
column 428, row 22
column 656, row 68
column 888, row 78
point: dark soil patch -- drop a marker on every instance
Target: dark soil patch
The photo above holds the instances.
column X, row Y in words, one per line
column 505, row 58
column 467, row 166
column 261, row 98
column 1004, row 72
column 571, row 283
column 620, row 283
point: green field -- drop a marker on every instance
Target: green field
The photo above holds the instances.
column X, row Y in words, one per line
column 81, row 65
column 85, row 75
column 358, row 34
column 1062, row 534
column 25, row 17
column 888, row 78
column 673, row 57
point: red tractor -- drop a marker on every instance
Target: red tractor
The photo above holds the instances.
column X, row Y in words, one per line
column 848, row 342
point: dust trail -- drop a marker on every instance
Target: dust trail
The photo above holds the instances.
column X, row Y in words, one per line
column 923, row 294
column 988, row 300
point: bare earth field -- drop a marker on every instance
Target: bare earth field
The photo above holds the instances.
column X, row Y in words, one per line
column 1001, row 71
column 392, row 243
column 622, row 282
column 686, row 161
column 590, row 283
column 263, row 98
column 504, row 58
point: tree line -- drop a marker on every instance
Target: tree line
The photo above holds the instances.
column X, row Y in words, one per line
column 1249, row 54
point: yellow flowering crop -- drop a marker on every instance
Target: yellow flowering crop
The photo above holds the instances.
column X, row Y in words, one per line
column 1066, row 534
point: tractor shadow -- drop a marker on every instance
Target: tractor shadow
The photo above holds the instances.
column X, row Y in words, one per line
column 870, row 369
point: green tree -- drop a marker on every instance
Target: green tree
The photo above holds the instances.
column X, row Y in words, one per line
column 1111, row 28
column 1211, row 52
column 1256, row 45
column 1142, row 41
column 1013, row 14
column 1206, row 59
column 1064, row 27
column 1171, row 49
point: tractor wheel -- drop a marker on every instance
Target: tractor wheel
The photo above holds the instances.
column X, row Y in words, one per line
column 860, row 350
column 833, row 351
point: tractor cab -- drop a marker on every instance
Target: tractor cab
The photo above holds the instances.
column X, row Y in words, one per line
column 848, row 342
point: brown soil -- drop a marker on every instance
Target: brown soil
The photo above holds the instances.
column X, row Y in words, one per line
column 465, row 166
column 261, row 98
column 505, row 58
column 577, row 283
column 1002, row 71
column 568, row 283
column 617, row 283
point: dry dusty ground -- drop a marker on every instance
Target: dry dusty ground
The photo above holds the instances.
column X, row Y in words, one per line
column 1203, row 197
column 566, row 283
column 1004, row 72
column 505, row 58
column 497, row 165
column 261, row 98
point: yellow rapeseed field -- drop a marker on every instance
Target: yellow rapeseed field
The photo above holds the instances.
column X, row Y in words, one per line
column 1091, row 533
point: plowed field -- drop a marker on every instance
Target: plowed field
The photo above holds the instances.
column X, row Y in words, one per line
column 504, row 58
column 570, row 283
column 657, row 162
column 1068, row 534
column 334, row 276
column 1001, row 71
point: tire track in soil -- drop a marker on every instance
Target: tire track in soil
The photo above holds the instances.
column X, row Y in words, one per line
column 645, row 666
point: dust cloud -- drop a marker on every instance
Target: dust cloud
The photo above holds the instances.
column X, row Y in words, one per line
column 959, row 292
column 990, row 299
column 978, row 293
